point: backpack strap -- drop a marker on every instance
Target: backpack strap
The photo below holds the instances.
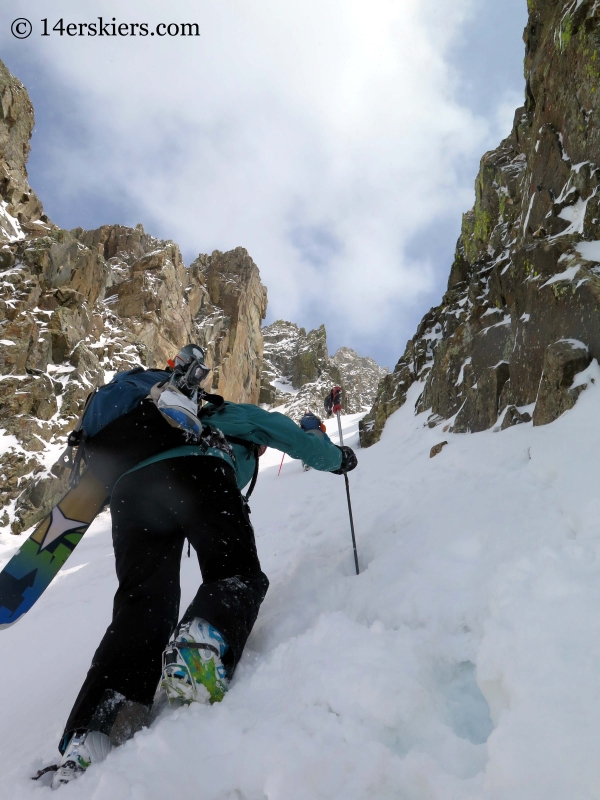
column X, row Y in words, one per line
column 253, row 448
column 76, row 438
column 215, row 399
column 254, row 479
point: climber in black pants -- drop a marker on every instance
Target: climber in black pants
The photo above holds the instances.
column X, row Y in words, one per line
column 154, row 510
column 174, row 469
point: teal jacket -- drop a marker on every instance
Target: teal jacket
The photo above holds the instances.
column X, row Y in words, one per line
column 249, row 422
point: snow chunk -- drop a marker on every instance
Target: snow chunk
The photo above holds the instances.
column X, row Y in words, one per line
column 526, row 223
column 577, row 167
column 587, row 376
column 434, row 335
column 589, row 250
column 575, row 344
column 567, row 275
column 574, row 214
column 9, row 442
column 507, row 320
column 9, row 225
column 285, row 387
column 491, row 311
column 461, row 374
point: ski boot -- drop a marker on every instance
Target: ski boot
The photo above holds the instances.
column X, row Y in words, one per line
column 84, row 748
column 192, row 666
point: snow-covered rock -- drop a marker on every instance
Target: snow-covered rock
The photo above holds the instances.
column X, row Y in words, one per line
column 361, row 376
column 526, row 274
column 298, row 373
column 80, row 306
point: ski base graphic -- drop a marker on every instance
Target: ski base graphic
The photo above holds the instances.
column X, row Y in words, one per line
column 30, row 571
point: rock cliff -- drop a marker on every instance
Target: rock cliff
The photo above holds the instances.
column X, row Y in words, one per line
column 298, row 372
column 20, row 210
column 77, row 306
column 521, row 313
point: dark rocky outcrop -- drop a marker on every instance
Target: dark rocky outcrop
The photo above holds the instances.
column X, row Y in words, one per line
column 562, row 361
column 512, row 416
column 526, row 273
column 437, row 449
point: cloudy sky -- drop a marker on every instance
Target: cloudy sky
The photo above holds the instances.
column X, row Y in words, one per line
column 336, row 140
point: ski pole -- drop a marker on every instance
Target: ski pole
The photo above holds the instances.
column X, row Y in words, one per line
column 348, row 496
column 281, row 465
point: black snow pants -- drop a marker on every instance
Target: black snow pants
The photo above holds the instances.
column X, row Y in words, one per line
column 154, row 510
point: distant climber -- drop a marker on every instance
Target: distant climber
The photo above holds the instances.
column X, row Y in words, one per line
column 173, row 469
column 333, row 402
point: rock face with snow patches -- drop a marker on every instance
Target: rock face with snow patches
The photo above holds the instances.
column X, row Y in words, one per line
column 526, row 274
column 77, row 306
column 298, row 372
column 361, row 376
column 20, row 209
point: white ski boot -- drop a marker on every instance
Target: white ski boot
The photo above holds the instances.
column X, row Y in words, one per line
column 84, row 748
column 192, row 666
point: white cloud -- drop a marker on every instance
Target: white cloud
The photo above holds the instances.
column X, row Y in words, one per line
column 505, row 112
column 320, row 136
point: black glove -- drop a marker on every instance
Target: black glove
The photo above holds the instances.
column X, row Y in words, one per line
column 349, row 461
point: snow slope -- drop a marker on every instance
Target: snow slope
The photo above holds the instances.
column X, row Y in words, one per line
column 462, row 663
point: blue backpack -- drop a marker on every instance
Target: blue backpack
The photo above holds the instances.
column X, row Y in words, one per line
column 121, row 395
column 129, row 420
column 139, row 415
